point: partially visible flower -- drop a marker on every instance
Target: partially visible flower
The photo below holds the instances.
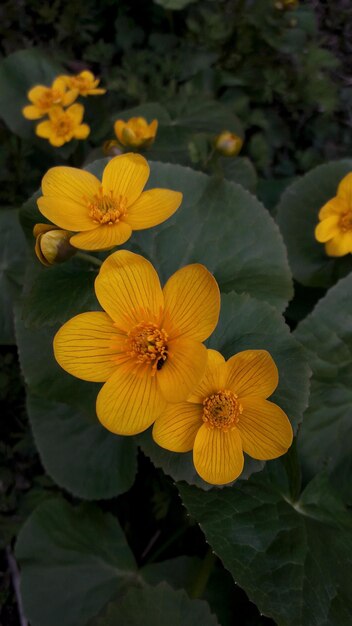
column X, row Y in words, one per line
column 228, row 413
column 111, row 147
column 335, row 226
column 105, row 212
column 284, row 5
column 43, row 99
column 228, row 144
column 85, row 83
column 136, row 132
column 63, row 126
column 52, row 245
column 147, row 343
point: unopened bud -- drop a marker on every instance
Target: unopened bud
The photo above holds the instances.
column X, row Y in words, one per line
column 52, row 244
column 228, row 144
column 111, row 148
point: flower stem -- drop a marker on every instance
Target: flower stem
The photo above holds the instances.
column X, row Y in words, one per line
column 89, row 258
column 204, row 572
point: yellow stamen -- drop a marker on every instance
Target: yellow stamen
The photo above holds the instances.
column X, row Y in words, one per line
column 49, row 98
column 107, row 209
column 148, row 344
column 222, row 410
column 345, row 222
column 63, row 126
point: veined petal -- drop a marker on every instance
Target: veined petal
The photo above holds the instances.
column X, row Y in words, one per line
column 177, row 426
column 265, row 429
column 129, row 290
column 130, row 401
column 327, row 228
column 153, row 207
column 103, row 237
column 81, row 132
column 76, row 112
column 217, row 455
column 70, row 183
column 214, row 379
column 65, row 213
column 344, row 190
column 87, row 346
column 43, row 129
column 31, row 112
column 126, row 175
column 183, row 368
column 340, row 245
column 252, row 372
column 192, row 303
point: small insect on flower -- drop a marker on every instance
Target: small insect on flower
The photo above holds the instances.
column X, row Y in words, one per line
column 226, row 415
column 228, row 144
column 335, row 226
column 146, row 345
column 63, row 126
column 84, row 83
column 104, row 213
column 136, row 132
column 52, row 244
column 43, row 99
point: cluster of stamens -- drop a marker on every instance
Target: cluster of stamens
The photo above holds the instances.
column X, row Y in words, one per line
column 106, row 208
column 63, row 125
column 222, row 410
column 147, row 344
column 345, row 222
column 49, row 98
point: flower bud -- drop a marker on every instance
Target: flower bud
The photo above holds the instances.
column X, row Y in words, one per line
column 286, row 5
column 52, row 244
column 136, row 132
column 228, row 144
column 111, row 148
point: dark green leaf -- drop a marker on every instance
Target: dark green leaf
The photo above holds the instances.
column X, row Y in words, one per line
column 240, row 170
column 12, row 257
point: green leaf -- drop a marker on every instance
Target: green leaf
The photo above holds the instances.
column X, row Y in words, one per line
column 240, row 170
column 156, row 607
column 73, row 561
column 297, row 217
column 293, row 558
column 246, row 323
column 325, row 440
column 12, row 257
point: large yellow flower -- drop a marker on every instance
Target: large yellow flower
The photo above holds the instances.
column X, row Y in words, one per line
column 146, row 345
column 335, row 227
column 227, row 414
column 84, row 83
column 136, row 132
column 43, row 99
column 63, row 126
column 106, row 212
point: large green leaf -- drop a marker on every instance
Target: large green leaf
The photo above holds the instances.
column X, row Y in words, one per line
column 246, row 323
column 157, row 607
column 240, row 170
column 293, row 558
column 325, row 440
column 298, row 216
column 12, row 255
column 73, row 561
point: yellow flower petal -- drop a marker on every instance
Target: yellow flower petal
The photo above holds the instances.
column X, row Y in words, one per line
column 177, row 427
column 340, row 245
column 252, row 372
column 103, row 237
column 87, row 345
column 76, row 112
column 327, row 229
column 126, row 175
column 32, row 112
column 265, row 429
column 36, row 93
column 129, row 290
column 59, row 84
column 69, row 97
column 65, row 213
column 71, row 183
column 153, row 207
column 344, row 190
column 192, row 303
column 217, row 455
column 335, row 206
column 43, row 130
column 118, row 128
column 81, row 132
column 214, row 378
column 183, row 369
column 130, row 401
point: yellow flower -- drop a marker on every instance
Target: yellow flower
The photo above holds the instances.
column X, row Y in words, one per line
column 52, row 245
column 136, row 132
column 228, row 144
column 105, row 212
column 335, row 227
column 45, row 98
column 227, row 414
column 63, row 126
column 84, row 83
column 146, row 344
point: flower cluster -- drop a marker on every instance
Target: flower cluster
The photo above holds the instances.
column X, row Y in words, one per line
column 64, row 119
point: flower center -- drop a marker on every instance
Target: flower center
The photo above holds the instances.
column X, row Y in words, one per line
column 222, row 410
column 106, row 209
column 148, row 344
column 63, row 126
column 346, row 221
column 49, row 98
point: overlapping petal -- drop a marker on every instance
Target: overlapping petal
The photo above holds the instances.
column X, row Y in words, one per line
column 252, row 372
column 102, row 237
column 153, row 207
column 215, row 377
column 340, row 245
column 183, row 369
column 344, row 190
column 265, row 429
column 327, row 228
column 217, row 455
column 177, row 426
column 126, row 175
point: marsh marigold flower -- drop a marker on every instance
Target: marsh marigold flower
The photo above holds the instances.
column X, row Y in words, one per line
column 228, row 144
column 136, row 132
column 147, row 344
column 335, row 227
column 85, row 84
column 228, row 413
column 52, row 245
column 63, row 126
column 43, row 99
column 105, row 212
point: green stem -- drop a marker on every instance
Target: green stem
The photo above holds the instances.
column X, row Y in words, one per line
column 89, row 258
column 202, row 579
